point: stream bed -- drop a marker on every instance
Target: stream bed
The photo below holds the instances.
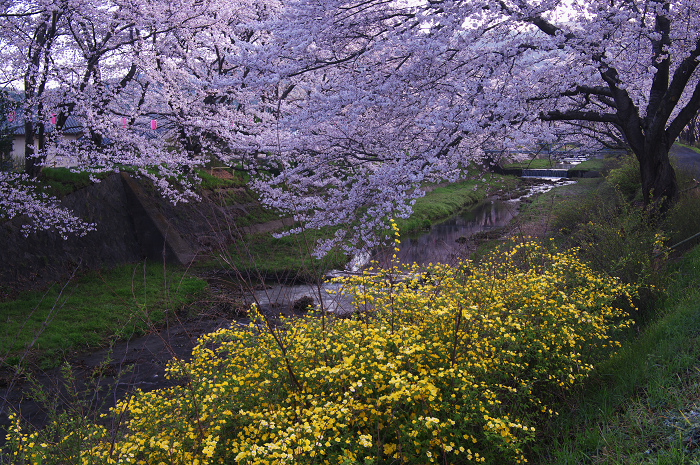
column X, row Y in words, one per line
column 446, row 242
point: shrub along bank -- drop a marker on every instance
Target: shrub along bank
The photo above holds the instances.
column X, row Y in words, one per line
column 451, row 365
column 641, row 406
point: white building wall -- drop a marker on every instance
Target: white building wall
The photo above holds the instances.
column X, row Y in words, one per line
column 51, row 160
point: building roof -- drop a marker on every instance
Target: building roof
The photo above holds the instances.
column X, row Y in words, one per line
column 73, row 125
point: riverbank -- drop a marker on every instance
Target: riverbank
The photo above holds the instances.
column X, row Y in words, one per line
column 639, row 407
column 543, row 211
column 108, row 322
column 259, row 257
column 442, row 201
column 100, row 307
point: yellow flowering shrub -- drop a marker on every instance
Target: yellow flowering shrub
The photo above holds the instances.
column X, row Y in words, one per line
column 438, row 365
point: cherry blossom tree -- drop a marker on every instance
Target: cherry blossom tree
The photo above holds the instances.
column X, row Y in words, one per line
column 29, row 32
column 351, row 105
column 153, row 84
column 396, row 93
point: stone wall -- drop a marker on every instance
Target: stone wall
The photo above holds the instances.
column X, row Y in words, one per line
column 44, row 257
column 133, row 223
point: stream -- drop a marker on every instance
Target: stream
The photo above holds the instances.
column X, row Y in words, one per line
column 445, row 242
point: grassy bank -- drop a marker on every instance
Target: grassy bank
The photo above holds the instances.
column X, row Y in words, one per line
column 41, row 327
column 60, row 182
column 642, row 405
column 543, row 209
column 691, row 147
column 594, row 164
column 442, row 202
column 532, row 164
column 261, row 257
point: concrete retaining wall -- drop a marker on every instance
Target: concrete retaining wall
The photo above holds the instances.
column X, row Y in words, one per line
column 131, row 225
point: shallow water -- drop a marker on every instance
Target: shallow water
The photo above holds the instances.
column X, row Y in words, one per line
column 443, row 243
column 439, row 244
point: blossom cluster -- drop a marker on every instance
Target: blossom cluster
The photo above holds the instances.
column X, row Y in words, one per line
column 439, row 365
column 43, row 211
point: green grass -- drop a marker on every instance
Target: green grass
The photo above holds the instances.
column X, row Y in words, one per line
column 255, row 215
column 594, row 164
column 286, row 259
column 210, row 182
column 444, row 202
column 234, row 191
column 92, row 310
column 542, row 207
column 641, row 406
column 60, row 182
column 694, row 149
column 536, row 163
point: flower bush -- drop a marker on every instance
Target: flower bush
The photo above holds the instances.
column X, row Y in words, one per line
column 438, row 365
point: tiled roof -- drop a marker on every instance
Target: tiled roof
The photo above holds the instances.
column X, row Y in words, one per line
column 73, row 125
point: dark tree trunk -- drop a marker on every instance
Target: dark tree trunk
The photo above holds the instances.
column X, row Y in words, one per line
column 658, row 177
column 694, row 129
column 31, row 163
column 41, row 145
column 35, row 78
column 96, row 138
